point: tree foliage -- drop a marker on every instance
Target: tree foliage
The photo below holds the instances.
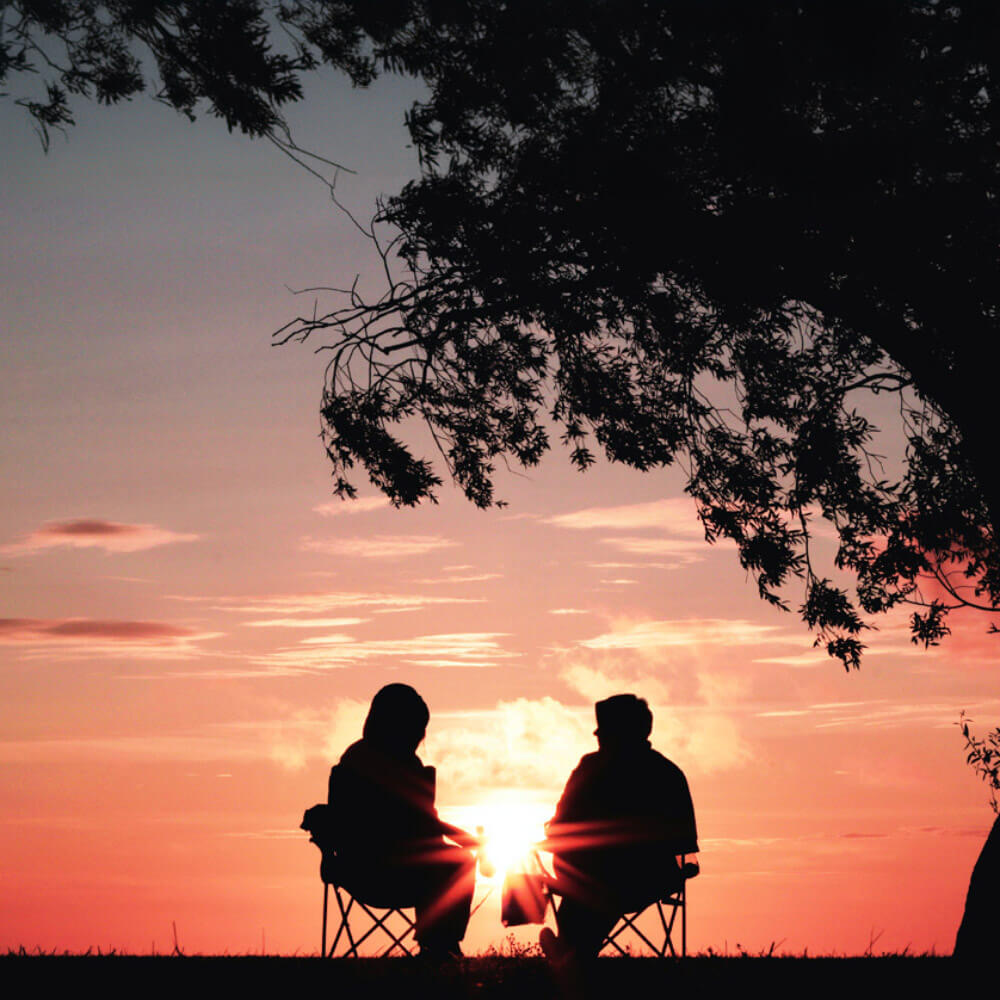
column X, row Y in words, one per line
column 243, row 57
column 983, row 755
column 699, row 232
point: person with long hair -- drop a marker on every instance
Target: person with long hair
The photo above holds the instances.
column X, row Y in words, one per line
column 389, row 840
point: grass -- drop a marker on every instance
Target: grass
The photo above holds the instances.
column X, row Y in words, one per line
column 511, row 971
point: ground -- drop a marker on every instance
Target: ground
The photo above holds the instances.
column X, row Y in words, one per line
column 523, row 978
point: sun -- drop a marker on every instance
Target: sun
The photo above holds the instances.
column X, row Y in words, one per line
column 511, row 827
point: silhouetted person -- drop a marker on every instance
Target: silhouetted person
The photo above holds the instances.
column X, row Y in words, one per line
column 623, row 819
column 386, row 831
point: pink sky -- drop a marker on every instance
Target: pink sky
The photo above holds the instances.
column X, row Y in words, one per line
column 191, row 630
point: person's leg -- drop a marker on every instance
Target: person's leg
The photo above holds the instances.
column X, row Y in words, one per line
column 582, row 929
column 446, row 882
column 586, row 913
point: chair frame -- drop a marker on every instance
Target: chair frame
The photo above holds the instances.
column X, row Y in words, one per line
column 675, row 901
column 379, row 923
column 627, row 922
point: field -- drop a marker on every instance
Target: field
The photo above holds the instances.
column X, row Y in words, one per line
column 519, row 978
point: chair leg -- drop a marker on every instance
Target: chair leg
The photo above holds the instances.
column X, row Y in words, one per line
column 345, row 926
column 396, row 940
column 326, row 896
column 684, row 921
column 628, row 923
column 380, row 923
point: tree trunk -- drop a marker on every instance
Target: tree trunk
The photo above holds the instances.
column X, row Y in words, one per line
column 977, row 935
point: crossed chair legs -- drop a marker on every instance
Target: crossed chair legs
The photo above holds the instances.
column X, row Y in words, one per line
column 627, row 923
column 379, row 923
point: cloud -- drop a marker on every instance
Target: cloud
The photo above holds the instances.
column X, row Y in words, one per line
column 194, row 747
column 323, row 602
column 378, row 546
column 647, row 635
column 309, row 734
column 472, row 578
column 112, row 536
column 568, row 611
column 362, row 505
column 676, row 515
column 527, row 744
column 90, row 637
column 45, row 630
column 698, row 735
column 874, row 714
column 686, row 549
column 339, row 650
column 306, row 622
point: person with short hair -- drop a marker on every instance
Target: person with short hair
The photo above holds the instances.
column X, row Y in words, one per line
column 622, row 823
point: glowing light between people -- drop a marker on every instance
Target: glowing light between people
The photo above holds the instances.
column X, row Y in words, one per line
column 511, row 827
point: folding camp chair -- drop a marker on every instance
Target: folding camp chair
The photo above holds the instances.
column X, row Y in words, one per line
column 675, row 902
column 667, row 908
column 384, row 921
column 388, row 920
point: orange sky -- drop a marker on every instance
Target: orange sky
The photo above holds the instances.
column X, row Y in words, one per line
column 191, row 630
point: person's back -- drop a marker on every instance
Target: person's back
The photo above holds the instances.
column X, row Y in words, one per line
column 623, row 818
column 382, row 804
column 388, row 839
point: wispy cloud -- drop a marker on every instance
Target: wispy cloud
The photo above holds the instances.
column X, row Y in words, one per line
column 677, row 516
column 685, row 549
column 674, row 530
column 703, row 735
column 80, row 533
column 378, row 546
column 875, row 714
column 688, row 632
column 320, row 603
column 362, row 505
column 470, row 578
column 447, row 649
column 83, row 636
column 306, row 622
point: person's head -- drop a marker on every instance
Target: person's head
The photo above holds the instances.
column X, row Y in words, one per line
column 397, row 719
column 623, row 720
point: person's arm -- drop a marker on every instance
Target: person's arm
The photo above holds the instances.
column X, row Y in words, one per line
column 461, row 837
column 680, row 829
column 560, row 831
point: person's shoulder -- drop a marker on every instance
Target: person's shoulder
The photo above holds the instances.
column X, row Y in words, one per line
column 588, row 764
column 352, row 753
column 664, row 764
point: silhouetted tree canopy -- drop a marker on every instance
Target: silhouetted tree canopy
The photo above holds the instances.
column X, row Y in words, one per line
column 696, row 232
column 701, row 232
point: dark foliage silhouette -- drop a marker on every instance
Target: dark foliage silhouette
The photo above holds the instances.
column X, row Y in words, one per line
column 701, row 233
column 681, row 232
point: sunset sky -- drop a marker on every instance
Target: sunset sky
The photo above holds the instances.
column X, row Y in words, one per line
column 191, row 627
